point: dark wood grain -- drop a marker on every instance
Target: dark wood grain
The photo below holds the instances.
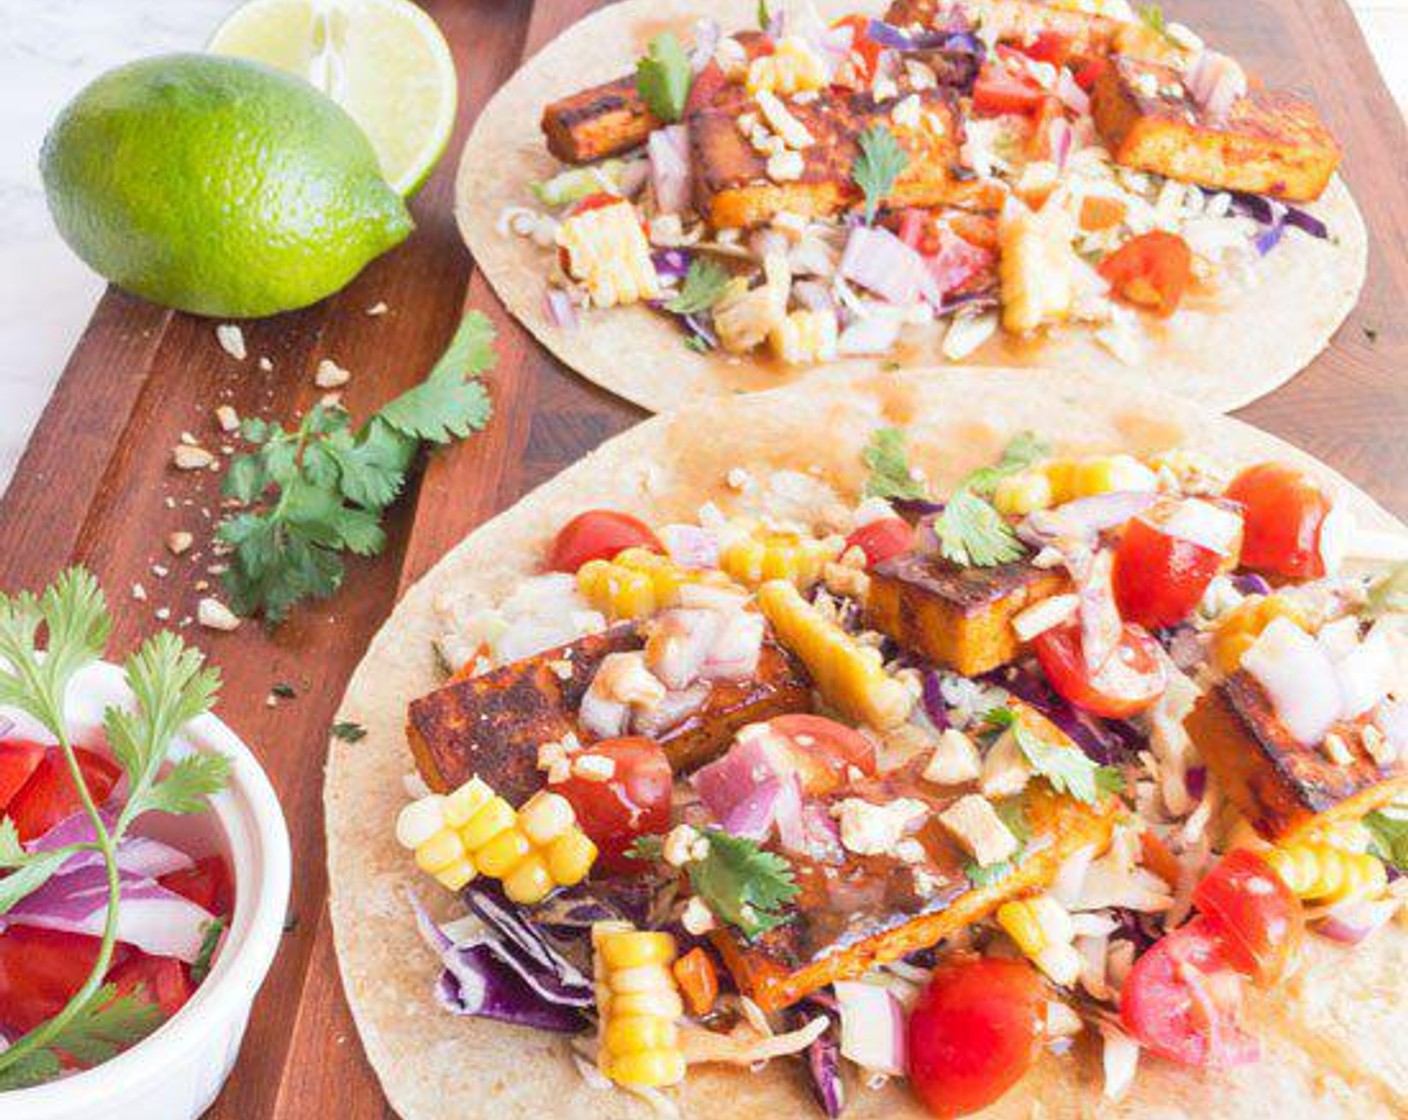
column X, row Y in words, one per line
column 94, row 483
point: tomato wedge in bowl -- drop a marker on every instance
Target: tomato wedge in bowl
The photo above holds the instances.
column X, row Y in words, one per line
column 178, row 1070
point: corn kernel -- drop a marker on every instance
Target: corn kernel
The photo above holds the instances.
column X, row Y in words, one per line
column 456, row 875
column 464, row 802
column 636, row 583
column 1322, row 873
column 419, row 821
column 545, row 817
column 1023, row 493
column 440, row 851
column 632, row 1034
column 758, row 558
column 1104, row 474
column 503, row 853
column 1061, row 474
column 529, row 882
column 651, row 1069
column 570, row 858
column 637, row 948
column 658, row 1002
column 494, row 817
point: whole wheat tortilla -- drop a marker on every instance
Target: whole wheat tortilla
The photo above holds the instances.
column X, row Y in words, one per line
column 1333, row 1034
column 1222, row 356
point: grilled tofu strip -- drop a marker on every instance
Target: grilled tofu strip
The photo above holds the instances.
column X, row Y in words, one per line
column 595, row 123
column 866, row 910
column 493, row 724
column 1270, row 142
column 1015, row 21
column 1282, row 786
column 956, row 617
column 732, row 189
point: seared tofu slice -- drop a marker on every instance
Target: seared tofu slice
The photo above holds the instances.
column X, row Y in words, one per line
column 1016, row 21
column 602, row 121
column 956, row 617
column 862, row 910
column 1282, row 786
column 1270, row 142
column 493, row 724
column 733, row 191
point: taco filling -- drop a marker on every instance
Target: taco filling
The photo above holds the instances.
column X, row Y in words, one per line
column 806, row 191
column 922, row 785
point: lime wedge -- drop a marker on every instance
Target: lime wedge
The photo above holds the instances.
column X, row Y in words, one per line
column 384, row 61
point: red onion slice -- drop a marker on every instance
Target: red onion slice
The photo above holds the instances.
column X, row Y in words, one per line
column 668, row 149
column 880, row 262
column 1351, row 922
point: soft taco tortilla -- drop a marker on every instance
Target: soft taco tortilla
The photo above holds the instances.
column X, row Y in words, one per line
column 1332, row 1034
column 1220, row 354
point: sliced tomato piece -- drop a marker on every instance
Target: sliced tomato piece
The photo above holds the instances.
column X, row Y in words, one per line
column 1159, row 577
column 208, row 884
column 1047, row 46
column 1132, row 679
column 1087, row 71
column 1000, row 89
column 1182, row 998
column 823, row 750
column 883, row 539
column 865, row 49
column 163, row 981
column 19, row 759
column 1284, row 513
column 1152, row 271
column 973, row 1032
column 49, row 796
column 633, row 802
column 598, row 534
column 40, row 970
column 1264, row 919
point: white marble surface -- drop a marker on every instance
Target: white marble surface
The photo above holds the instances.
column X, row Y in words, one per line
column 50, row 48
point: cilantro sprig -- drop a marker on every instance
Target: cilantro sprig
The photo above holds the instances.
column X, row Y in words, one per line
column 170, row 686
column 1068, row 770
column 882, row 160
column 1012, row 812
column 742, row 883
column 887, row 459
column 703, row 287
column 663, row 77
column 314, row 493
column 970, row 531
column 1152, row 16
column 1388, row 835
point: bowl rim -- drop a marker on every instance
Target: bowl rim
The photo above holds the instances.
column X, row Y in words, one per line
column 247, row 809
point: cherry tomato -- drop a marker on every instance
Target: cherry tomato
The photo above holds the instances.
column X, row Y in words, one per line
column 598, row 534
column 163, row 981
column 1263, row 918
column 1151, row 270
column 1182, row 998
column 49, row 796
column 208, row 884
column 1087, row 72
column 1132, row 679
column 597, row 201
column 634, row 801
column 1048, row 46
column 1284, row 514
column 18, row 762
column 862, row 45
column 1002, row 90
column 973, row 1032
column 40, row 969
column 880, row 540
column 1158, row 576
column 705, row 88
column 823, row 750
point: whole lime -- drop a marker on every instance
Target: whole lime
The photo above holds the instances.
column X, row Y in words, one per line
column 218, row 186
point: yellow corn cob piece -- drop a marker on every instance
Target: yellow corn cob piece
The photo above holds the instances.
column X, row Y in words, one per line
column 805, row 337
column 1023, row 493
column 1090, row 475
column 607, row 251
column 850, row 676
column 765, row 555
column 1238, row 630
column 794, row 67
column 473, row 831
column 1322, row 873
column 1036, row 268
column 1043, row 931
column 637, row 583
column 638, row 1002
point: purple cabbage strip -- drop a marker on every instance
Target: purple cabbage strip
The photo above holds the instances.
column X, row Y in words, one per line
column 575, row 909
column 557, row 978
column 823, row 1058
column 671, row 264
column 1108, row 742
column 1249, row 583
column 933, row 699
column 1195, row 781
column 1275, row 215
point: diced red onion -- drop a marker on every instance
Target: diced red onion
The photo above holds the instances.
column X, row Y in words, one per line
column 1205, row 524
column 753, row 816
column 723, row 784
column 690, row 546
column 601, row 718
column 1070, row 93
column 668, row 149
column 1100, row 624
column 932, row 698
column 1298, row 677
column 871, row 334
column 1215, row 81
column 1084, row 518
column 706, row 40
column 674, row 709
column 872, row 1027
column 1195, row 780
column 813, row 295
column 150, row 917
column 880, row 262
column 1352, row 922
column 733, row 654
column 956, row 263
column 1249, row 583
column 562, row 312
column 787, row 814
column 1062, row 139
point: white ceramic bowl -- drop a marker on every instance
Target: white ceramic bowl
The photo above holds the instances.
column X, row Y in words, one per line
column 178, row 1071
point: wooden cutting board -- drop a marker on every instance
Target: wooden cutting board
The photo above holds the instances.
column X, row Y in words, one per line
column 96, row 485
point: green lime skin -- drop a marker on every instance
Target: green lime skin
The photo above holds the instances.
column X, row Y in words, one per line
column 218, row 186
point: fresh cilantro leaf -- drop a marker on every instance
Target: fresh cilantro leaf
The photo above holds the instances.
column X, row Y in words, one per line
column 646, row 848
column 888, row 462
column 318, row 491
column 881, row 161
column 1388, row 594
column 1152, row 16
column 190, row 784
column 1025, row 449
column 704, row 284
column 1067, row 770
column 764, row 16
column 698, row 343
column 974, row 534
column 1388, row 835
column 29, row 875
column 664, row 76
column 985, row 875
column 209, row 942
column 743, row 884
column 32, row 1069
column 348, row 731
column 74, row 614
column 107, row 1024
column 12, row 852
column 1012, row 812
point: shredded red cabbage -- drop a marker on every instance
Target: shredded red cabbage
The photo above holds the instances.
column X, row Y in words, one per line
column 1276, row 216
column 1108, row 742
column 548, row 971
column 1249, row 583
column 823, row 1059
column 933, row 700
